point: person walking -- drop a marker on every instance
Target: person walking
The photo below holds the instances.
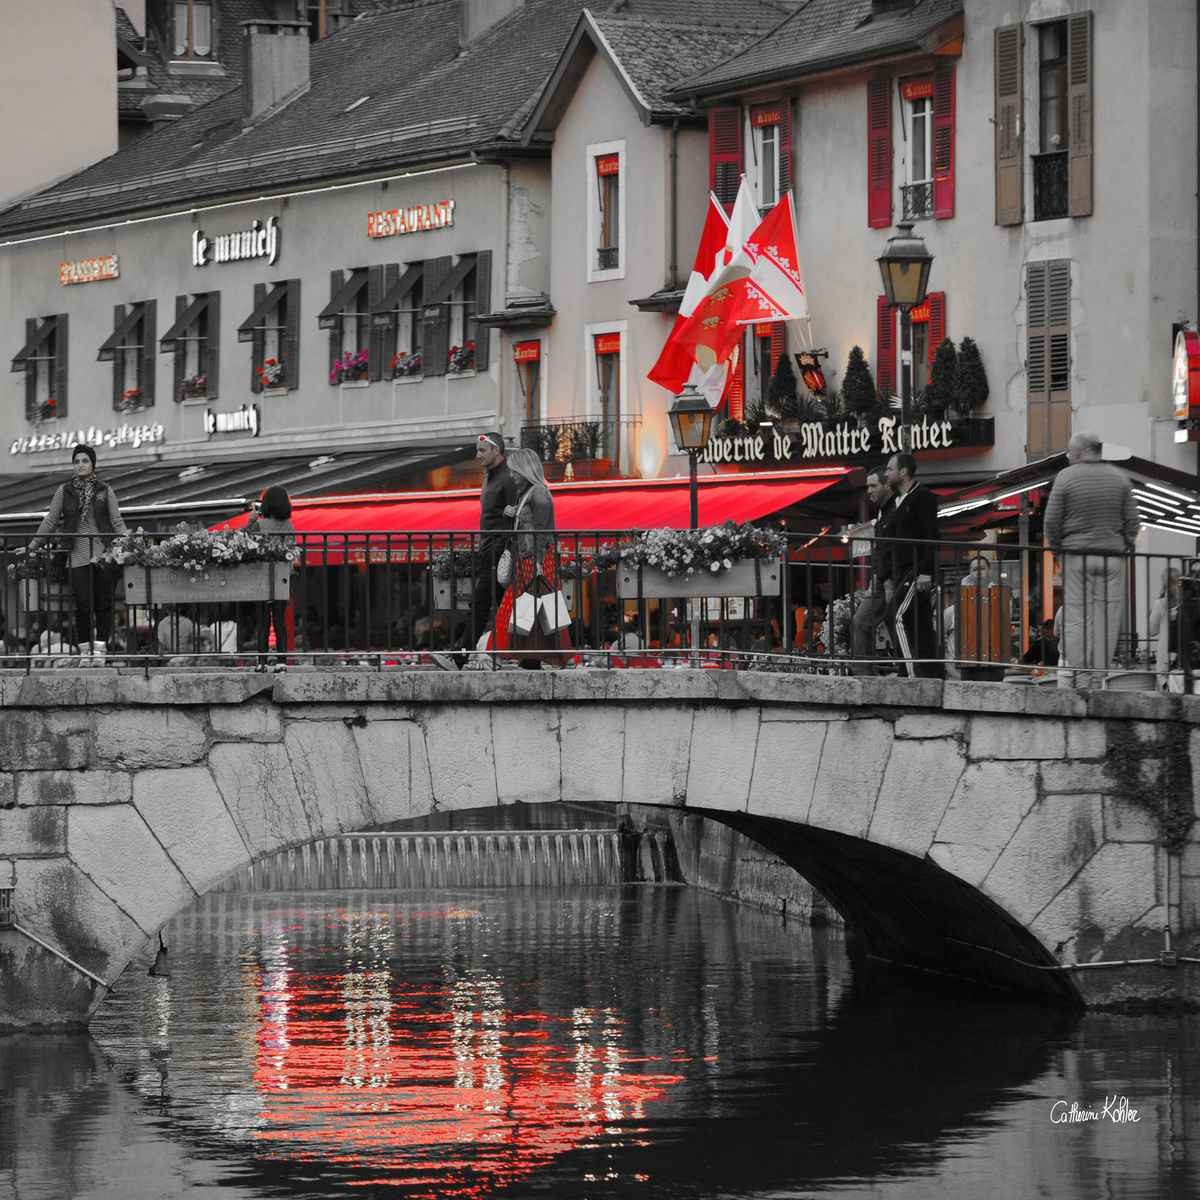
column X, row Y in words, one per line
column 274, row 521
column 872, row 610
column 915, row 520
column 497, row 501
column 85, row 508
column 1092, row 522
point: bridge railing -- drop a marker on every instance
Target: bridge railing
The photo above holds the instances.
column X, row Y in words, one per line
column 827, row 603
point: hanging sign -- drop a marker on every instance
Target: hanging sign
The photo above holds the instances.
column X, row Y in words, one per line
column 608, row 343
column 916, row 89
column 813, row 440
column 811, row 371
column 524, row 352
column 89, row 270
column 239, row 420
column 133, row 436
column 919, row 315
column 766, row 116
column 417, row 218
column 608, row 164
column 1185, row 373
column 259, row 241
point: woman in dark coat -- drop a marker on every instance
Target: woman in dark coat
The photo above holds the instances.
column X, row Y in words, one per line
column 87, row 508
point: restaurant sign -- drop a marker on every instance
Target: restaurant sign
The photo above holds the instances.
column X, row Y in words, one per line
column 1185, row 385
column 239, row 420
column 89, row 270
column 813, row 439
column 133, row 436
column 417, row 218
column 259, row 241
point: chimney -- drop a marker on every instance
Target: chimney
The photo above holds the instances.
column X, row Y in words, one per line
column 275, row 66
column 477, row 16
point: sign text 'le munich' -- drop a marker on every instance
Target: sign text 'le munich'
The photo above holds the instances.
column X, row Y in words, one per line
column 259, row 241
column 813, row 440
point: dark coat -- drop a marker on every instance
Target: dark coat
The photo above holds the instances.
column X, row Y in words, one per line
column 499, row 491
column 914, row 519
column 881, row 554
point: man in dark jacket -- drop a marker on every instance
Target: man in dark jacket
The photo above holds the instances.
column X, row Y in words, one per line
column 495, row 525
column 872, row 610
column 915, row 521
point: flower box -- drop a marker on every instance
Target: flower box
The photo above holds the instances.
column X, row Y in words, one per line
column 355, row 383
column 747, row 577
column 446, row 599
column 274, row 391
column 245, row 581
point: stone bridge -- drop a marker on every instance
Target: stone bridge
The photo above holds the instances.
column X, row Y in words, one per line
column 1024, row 837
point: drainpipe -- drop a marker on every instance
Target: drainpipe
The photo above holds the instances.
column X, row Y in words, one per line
column 674, row 210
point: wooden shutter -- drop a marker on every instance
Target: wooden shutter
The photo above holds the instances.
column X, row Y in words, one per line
column 435, row 343
column 378, row 334
column 178, row 353
column 777, row 345
column 725, row 152
column 735, row 389
column 943, row 141
column 1079, row 99
column 885, row 341
column 291, row 365
column 785, row 146
column 118, row 361
column 1048, row 356
column 149, row 349
column 879, row 153
column 61, row 348
column 31, row 330
column 1008, row 58
column 212, row 329
column 483, row 304
column 335, row 330
column 258, row 341
column 937, row 322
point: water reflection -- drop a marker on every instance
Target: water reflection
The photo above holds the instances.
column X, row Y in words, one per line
column 618, row 1042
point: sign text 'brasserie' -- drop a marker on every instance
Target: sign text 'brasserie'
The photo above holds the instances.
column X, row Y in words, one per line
column 814, row 440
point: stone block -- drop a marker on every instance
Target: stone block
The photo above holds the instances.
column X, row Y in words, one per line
column 1017, row 738
column 988, row 805
column 920, row 780
column 1086, row 739
column 8, row 791
column 45, row 740
column 1135, row 706
column 328, row 777
column 722, row 757
column 797, row 713
column 798, row 691
column 199, row 688
column 525, row 741
column 186, row 814
column 256, row 782
column 462, row 764
column 1055, row 838
column 256, row 722
column 115, row 849
column 1127, row 822
column 786, row 760
column 853, row 762
column 1075, row 777
column 657, row 755
column 901, row 692
column 149, row 737
column 591, row 741
column 321, row 687
column 395, row 769
column 972, row 697
column 929, row 725
column 72, row 787
column 1045, row 701
column 33, row 831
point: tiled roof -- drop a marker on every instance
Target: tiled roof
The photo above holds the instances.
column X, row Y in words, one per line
column 823, row 34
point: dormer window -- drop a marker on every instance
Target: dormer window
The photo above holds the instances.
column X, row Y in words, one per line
column 192, row 36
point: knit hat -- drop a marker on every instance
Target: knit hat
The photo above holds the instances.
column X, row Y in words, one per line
column 83, row 448
column 496, row 439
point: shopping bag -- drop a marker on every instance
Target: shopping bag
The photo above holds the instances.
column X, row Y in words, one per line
column 524, row 613
column 553, row 613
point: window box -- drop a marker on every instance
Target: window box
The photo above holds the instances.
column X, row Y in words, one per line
column 354, row 383
column 406, row 379
column 351, row 367
column 195, row 388
column 747, row 577
column 462, row 374
column 274, row 391
column 245, row 581
column 47, row 410
column 271, row 375
column 406, row 366
column 461, row 359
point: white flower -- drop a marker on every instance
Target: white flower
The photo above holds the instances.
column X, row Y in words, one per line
column 728, row 564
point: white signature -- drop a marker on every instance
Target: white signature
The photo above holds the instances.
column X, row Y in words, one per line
column 1116, row 1109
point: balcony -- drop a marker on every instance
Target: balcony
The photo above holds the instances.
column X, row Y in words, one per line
column 917, row 200
column 592, row 447
column 1050, row 190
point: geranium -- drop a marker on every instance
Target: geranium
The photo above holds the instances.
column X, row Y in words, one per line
column 196, row 386
column 270, row 374
column 404, row 364
column 675, row 551
column 353, row 364
column 196, row 550
column 461, row 358
column 131, row 400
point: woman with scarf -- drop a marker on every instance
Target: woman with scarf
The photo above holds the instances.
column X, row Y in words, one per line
column 85, row 508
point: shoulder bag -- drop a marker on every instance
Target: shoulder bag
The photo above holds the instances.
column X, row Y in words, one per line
column 504, row 565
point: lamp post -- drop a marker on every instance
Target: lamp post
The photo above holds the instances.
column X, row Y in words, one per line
column 904, row 266
column 691, row 421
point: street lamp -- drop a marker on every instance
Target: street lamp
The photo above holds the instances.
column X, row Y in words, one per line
column 691, row 422
column 904, row 266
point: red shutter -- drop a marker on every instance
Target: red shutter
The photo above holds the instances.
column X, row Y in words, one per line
column 943, row 142
column 725, row 153
column 735, row 391
column 937, row 322
column 885, row 342
column 777, row 346
column 786, row 183
column 879, row 153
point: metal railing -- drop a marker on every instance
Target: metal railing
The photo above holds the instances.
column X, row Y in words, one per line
column 832, row 605
column 917, row 200
column 1050, row 187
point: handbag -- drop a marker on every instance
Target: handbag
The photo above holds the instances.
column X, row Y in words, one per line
column 504, row 564
column 553, row 613
column 524, row 613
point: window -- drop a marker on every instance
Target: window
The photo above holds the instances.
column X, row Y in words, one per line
column 396, row 321
column 1053, row 131
column 355, row 348
column 607, row 353
column 917, row 96
column 768, row 346
column 131, row 350
column 527, row 358
column 193, row 341
column 606, row 211
column 724, row 153
column 770, row 143
column 43, row 359
column 455, row 294
column 273, row 330
column 192, row 36
column 766, row 145
column 1048, row 356
column 928, row 322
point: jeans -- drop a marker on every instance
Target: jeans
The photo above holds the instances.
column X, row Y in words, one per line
column 92, row 585
column 1093, row 607
column 868, row 616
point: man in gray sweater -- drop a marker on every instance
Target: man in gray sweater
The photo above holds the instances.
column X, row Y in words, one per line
column 1092, row 521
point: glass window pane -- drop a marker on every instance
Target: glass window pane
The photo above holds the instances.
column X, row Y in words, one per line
column 769, row 165
column 181, row 27
column 920, row 141
column 201, row 27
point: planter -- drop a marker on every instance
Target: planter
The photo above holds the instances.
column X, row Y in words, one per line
column 554, row 471
column 274, row 391
column 246, row 581
column 404, row 379
column 355, row 383
column 592, row 468
column 451, row 594
column 747, row 577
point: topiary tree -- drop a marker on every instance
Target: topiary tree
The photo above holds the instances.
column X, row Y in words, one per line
column 971, row 386
column 782, row 398
column 943, row 379
column 858, row 388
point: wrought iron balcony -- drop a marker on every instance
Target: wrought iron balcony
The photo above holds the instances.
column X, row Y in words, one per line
column 918, row 200
column 1050, row 188
column 576, row 440
column 608, row 258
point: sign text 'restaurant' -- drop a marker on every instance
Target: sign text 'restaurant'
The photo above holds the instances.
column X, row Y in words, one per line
column 417, row 218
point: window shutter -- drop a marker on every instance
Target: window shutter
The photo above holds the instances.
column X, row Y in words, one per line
column 178, row 354
column 257, row 341
column 777, row 345
column 1079, row 98
column 1058, row 352
column 786, row 183
column 879, row 153
column 436, row 340
column 483, row 304
column 378, row 334
column 31, row 329
column 735, row 389
column 885, row 340
column 1037, row 371
column 149, row 344
column 1009, row 124
column 725, row 152
column 291, row 366
column 61, row 345
column 212, row 328
column 335, row 330
column 943, row 141
column 118, row 362
column 937, row 322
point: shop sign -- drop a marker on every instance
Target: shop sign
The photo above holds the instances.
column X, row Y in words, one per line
column 608, row 164
column 813, row 440
column 766, row 116
column 259, row 241
column 608, row 343
column 524, row 352
column 916, row 89
column 417, row 218
column 133, row 436
column 239, row 420
column 1185, row 385
column 89, row 270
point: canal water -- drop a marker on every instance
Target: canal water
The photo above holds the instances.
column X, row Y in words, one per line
column 595, row 1042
